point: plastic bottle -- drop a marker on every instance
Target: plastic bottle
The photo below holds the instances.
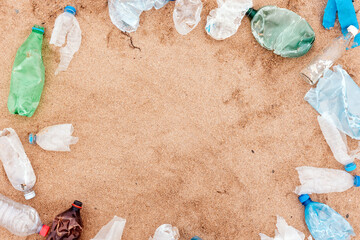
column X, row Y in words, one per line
column 324, row 180
column 111, row 231
column 67, row 225
column 55, row 138
column 224, row 21
column 196, row 238
column 166, row 232
column 16, row 164
column 281, row 30
column 338, row 144
column 328, row 57
column 28, row 75
column 187, row 15
column 20, row 219
column 66, row 27
column 323, row 222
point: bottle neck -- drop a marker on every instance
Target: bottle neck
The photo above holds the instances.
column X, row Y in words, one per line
column 251, row 13
column 307, row 202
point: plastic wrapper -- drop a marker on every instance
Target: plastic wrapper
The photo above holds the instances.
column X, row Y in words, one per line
column 111, row 231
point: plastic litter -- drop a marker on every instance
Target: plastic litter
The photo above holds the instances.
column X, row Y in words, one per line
column 67, row 225
column 66, row 28
column 55, row 138
column 224, row 21
column 20, row 219
column 323, row 222
column 111, row 231
column 338, row 144
column 28, row 75
column 187, row 15
column 16, row 164
column 125, row 14
column 336, row 98
column 196, row 238
column 282, row 31
column 166, row 232
column 328, row 57
column 284, row 232
column 324, row 180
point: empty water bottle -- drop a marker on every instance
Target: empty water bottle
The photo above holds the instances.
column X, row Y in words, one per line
column 324, row 180
column 66, row 28
column 55, row 138
column 323, row 222
column 328, row 57
column 16, row 164
column 28, row 75
column 166, row 232
column 224, row 21
column 111, row 231
column 187, row 15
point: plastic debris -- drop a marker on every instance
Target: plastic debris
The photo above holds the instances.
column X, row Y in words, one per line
column 224, row 21
column 20, row 219
column 336, row 98
column 187, row 15
column 166, row 232
column 282, row 31
column 328, row 57
column 55, row 138
column 16, row 164
column 66, row 28
column 324, row 222
column 28, row 75
column 111, row 231
column 324, row 180
column 196, row 238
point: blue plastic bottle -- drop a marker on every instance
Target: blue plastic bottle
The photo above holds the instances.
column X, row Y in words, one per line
column 323, row 222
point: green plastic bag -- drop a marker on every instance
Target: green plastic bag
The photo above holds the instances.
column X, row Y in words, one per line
column 28, row 75
column 282, row 31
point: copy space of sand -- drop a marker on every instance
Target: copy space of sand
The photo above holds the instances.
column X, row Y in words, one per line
column 202, row 134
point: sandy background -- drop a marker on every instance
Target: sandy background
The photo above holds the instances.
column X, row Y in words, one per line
column 198, row 133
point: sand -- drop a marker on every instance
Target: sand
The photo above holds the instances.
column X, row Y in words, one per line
column 186, row 130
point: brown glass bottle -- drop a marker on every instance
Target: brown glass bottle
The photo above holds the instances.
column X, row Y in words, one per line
column 67, row 225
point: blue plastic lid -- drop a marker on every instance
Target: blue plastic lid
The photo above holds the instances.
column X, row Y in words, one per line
column 38, row 29
column 196, row 238
column 357, row 181
column 32, row 138
column 70, row 9
column 303, row 198
column 350, row 167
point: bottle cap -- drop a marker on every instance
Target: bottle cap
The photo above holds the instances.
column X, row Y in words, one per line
column 196, row 238
column 29, row 195
column 350, row 167
column 303, row 198
column 44, row 230
column 353, row 30
column 357, row 181
column 32, row 138
column 70, row 9
column 38, row 29
column 77, row 204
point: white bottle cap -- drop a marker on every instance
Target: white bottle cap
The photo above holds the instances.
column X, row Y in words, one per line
column 29, row 195
column 353, row 30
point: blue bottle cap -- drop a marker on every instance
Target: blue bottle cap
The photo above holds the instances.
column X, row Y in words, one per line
column 196, row 238
column 70, row 9
column 357, row 181
column 303, row 198
column 350, row 167
column 32, row 138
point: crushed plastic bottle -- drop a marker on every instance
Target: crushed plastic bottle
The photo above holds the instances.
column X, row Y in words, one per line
column 125, row 14
column 285, row 232
column 28, row 75
column 111, row 231
column 323, row 222
column 55, row 138
column 166, row 232
column 328, row 57
column 20, row 219
column 16, row 164
column 338, row 144
column 282, row 31
column 187, row 15
column 224, row 21
column 66, row 27
column 324, row 180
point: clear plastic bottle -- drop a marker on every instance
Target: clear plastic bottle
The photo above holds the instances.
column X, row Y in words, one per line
column 66, row 27
column 328, row 57
column 324, row 180
column 113, row 230
column 16, row 164
column 55, row 138
column 20, row 219
column 166, row 232
column 187, row 15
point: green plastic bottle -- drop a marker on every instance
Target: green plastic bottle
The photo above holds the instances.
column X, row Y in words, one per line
column 281, row 30
column 28, row 75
